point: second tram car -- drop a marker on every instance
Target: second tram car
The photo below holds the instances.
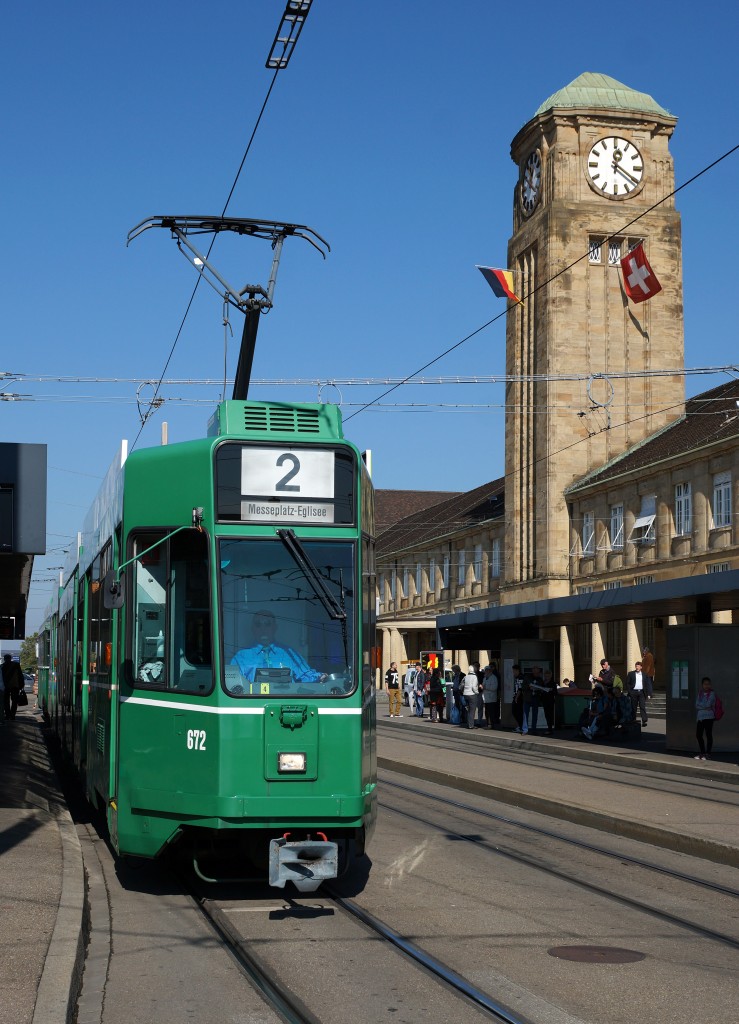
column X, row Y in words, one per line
column 207, row 665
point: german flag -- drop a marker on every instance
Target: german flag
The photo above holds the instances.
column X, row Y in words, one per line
column 501, row 281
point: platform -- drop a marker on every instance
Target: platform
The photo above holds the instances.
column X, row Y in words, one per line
column 688, row 822
column 41, row 881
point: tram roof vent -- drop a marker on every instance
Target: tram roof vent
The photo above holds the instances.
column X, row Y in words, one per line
column 264, row 418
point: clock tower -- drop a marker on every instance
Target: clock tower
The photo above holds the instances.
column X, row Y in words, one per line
column 594, row 170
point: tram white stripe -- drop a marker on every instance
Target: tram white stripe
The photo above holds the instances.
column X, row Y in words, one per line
column 181, row 706
column 206, row 709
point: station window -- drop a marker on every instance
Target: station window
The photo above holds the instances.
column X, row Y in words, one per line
column 495, row 559
column 722, row 500
column 614, row 252
column 588, row 533
column 617, row 527
column 595, row 250
column 477, row 563
column 461, row 568
column 683, row 509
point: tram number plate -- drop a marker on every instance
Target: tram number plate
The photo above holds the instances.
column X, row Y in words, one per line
column 196, row 739
column 276, row 473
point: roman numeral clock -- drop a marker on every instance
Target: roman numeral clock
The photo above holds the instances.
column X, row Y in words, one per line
column 615, row 167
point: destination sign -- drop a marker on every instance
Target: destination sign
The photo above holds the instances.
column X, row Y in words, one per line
column 299, row 485
column 299, row 512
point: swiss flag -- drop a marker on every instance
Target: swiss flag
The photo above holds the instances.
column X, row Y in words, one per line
column 640, row 281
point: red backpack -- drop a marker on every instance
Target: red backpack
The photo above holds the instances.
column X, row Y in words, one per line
column 718, row 709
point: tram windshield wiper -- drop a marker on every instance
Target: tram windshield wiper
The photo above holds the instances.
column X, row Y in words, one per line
column 303, row 561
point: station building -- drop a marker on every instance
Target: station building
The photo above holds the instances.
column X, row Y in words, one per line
column 612, row 479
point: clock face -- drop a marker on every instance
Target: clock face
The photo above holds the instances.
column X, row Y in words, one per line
column 531, row 182
column 615, row 167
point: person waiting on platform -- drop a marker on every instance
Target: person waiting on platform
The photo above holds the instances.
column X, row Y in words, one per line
column 392, row 682
column 622, row 709
column 490, row 694
column 436, row 696
column 599, row 714
column 265, row 653
column 470, row 693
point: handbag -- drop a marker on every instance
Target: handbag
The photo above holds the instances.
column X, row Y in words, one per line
column 22, row 701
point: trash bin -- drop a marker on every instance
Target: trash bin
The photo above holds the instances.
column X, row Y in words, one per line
column 569, row 705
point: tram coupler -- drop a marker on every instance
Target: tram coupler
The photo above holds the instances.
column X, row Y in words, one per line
column 306, row 862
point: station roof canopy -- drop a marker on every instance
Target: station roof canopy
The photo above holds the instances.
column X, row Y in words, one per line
column 485, row 628
column 15, row 583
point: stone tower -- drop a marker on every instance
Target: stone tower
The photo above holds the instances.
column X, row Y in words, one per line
column 592, row 159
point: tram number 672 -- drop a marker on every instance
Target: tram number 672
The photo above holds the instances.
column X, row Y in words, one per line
column 196, row 739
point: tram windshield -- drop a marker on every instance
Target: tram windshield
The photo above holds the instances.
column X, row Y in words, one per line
column 287, row 617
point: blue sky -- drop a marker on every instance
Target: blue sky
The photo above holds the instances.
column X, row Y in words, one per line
column 389, row 134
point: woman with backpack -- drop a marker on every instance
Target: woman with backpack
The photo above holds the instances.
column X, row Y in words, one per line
column 470, row 692
column 705, row 706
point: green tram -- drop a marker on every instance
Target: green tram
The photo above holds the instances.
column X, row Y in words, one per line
column 207, row 665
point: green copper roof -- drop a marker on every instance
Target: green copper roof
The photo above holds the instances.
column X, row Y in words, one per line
column 593, row 90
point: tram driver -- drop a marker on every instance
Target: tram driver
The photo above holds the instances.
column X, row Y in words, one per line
column 266, row 656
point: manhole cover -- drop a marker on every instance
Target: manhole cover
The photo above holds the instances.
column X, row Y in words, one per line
column 596, row 954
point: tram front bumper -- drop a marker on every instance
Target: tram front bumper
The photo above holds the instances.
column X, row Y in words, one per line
column 306, row 863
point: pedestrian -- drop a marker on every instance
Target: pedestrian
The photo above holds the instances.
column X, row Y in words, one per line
column 606, row 676
column 546, row 698
column 647, row 663
column 530, row 707
column 480, row 706
column 599, row 715
column 392, row 683
column 470, row 693
column 13, row 684
column 639, row 689
column 456, row 711
column 517, row 704
column 419, row 689
column 490, row 691
column 409, row 685
column 705, row 706
column 436, row 696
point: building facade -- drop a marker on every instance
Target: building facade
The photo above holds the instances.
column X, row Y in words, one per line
column 611, row 478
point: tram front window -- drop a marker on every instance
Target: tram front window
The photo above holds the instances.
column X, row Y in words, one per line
column 287, row 617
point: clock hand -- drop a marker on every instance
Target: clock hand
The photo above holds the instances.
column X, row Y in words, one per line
column 619, row 168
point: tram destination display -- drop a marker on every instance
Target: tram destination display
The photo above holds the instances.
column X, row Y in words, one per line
column 296, row 485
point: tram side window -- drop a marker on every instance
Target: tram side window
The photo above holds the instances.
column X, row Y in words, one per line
column 99, row 630
column 171, row 645
column 150, row 586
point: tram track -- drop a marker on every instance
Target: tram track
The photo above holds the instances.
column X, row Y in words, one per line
column 581, row 844
column 281, row 996
column 552, row 870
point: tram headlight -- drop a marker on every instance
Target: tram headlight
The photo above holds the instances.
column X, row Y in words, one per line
column 291, row 762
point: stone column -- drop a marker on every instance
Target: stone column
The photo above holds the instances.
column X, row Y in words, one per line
column 598, row 633
column 386, row 656
column 396, row 645
column 633, row 646
column 566, row 653
column 721, row 617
